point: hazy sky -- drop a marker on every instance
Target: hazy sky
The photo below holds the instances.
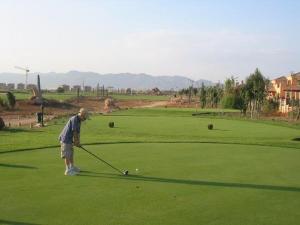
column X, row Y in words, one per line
column 207, row 39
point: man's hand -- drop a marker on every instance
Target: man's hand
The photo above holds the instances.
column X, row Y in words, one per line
column 77, row 144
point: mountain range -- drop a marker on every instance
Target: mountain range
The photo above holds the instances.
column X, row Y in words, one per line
column 141, row 81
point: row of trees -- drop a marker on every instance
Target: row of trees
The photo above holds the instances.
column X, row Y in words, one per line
column 211, row 96
column 249, row 96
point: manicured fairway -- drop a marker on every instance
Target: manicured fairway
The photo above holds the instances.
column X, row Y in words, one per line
column 240, row 173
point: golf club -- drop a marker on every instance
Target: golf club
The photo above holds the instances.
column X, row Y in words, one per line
column 123, row 173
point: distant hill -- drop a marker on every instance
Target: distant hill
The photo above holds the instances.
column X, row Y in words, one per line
column 123, row 80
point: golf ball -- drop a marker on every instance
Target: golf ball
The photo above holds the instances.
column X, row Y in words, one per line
column 136, row 169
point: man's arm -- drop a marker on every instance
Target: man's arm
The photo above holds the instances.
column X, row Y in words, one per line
column 76, row 136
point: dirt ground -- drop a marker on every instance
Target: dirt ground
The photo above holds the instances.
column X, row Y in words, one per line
column 25, row 111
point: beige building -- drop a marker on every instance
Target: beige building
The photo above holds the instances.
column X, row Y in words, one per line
column 87, row 88
column 10, row 86
column 76, row 87
column 277, row 87
column 292, row 89
column 31, row 86
column 20, row 86
column 3, row 86
column 285, row 89
column 65, row 87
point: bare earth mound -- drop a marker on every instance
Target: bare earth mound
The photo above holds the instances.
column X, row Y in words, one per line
column 25, row 110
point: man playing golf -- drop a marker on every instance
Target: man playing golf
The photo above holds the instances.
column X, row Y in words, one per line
column 70, row 136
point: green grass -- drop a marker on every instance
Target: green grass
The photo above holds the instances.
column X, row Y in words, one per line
column 241, row 172
column 141, row 97
column 170, row 111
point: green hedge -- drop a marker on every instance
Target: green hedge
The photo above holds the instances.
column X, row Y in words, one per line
column 7, row 100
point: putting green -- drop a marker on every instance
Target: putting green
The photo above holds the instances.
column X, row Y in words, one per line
column 244, row 174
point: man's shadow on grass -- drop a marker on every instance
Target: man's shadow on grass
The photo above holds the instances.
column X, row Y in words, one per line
column 220, row 129
column 189, row 182
column 9, row 222
column 151, row 142
column 18, row 130
column 17, row 166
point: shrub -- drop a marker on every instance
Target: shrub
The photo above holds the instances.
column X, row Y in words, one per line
column 60, row 90
column 232, row 101
column 2, row 124
column 270, row 106
column 228, row 101
column 1, row 101
column 4, row 102
column 111, row 124
column 11, row 100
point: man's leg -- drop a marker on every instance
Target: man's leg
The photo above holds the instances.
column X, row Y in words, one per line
column 67, row 155
column 67, row 163
column 72, row 166
column 72, row 157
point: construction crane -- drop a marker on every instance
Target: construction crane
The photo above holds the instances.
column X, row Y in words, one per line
column 26, row 74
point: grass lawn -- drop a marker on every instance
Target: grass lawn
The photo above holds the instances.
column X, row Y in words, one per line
column 240, row 173
column 141, row 97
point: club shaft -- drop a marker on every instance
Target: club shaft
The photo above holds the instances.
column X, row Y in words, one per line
column 97, row 157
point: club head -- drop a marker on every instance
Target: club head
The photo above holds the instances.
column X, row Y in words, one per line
column 125, row 172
